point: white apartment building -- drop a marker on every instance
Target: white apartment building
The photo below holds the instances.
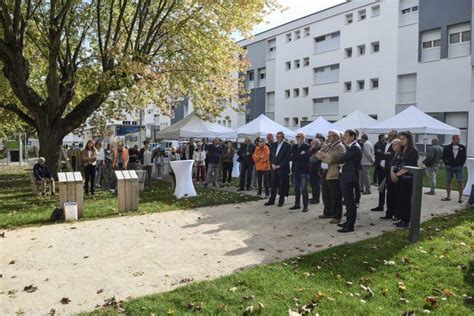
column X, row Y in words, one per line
column 379, row 56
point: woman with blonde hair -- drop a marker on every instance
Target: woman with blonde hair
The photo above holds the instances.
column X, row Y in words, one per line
column 89, row 160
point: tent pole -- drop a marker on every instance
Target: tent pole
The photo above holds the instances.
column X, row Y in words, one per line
column 425, row 141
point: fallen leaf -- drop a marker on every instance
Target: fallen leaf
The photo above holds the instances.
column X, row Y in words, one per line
column 2, row 235
column 100, row 291
column 52, row 312
column 19, row 311
column 65, row 300
column 402, row 286
column 139, row 273
column 233, row 289
column 30, row 288
column 12, row 262
column 433, row 301
column 404, row 300
column 248, row 298
column 186, row 280
column 448, row 293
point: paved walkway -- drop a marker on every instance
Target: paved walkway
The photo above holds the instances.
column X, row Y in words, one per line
column 88, row 262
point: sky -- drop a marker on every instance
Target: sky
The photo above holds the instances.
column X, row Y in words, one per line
column 294, row 9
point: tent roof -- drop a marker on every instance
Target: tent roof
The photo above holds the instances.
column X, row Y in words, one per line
column 320, row 125
column 355, row 120
column 416, row 121
column 193, row 126
column 261, row 126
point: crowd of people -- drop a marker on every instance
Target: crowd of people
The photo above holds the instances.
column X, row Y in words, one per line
column 337, row 168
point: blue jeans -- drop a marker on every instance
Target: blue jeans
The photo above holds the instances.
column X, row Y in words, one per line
column 301, row 188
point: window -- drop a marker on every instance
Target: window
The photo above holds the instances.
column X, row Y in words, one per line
column 271, row 44
column 375, row 47
column 375, row 10
column 304, row 119
column 251, row 75
column 307, row 32
column 405, row 11
column 262, row 75
column 362, row 15
column 287, row 94
column 348, row 52
column 326, row 74
column 414, row 9
column 326, row 106
column 407, row 89
column 349, row 18
column 270, row 104
column 288, row 37
column 296, row 63
column 297, row 35
column 305, row 91
column 296, row 93
column 288, row 65
column 427, row 44
column 459, row 40
column 360, row 85
column 306, row 62
column 437, row 43
column 454, row 38
column 361, row 50
column 347, row 86
column 287, row 121
column 326, row 43
column 374, row 83
column 295, row 122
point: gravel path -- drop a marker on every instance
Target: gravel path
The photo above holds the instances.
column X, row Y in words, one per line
column 88, row 262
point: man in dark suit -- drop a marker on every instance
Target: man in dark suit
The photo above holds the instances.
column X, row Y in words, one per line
column 382, row 158
column 349, row 178
column 379, row 148
column 300, row 153
column 245, row 153
column 279, row 160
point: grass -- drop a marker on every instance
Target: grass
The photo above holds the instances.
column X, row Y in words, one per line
column 435, row 275
column 19, row 207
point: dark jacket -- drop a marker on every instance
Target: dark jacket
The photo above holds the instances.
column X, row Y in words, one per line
column 448, row 156
column 245, row 153
column 131, row 155
column 379, row 149
column 41, row 171
column 300, row 161
column 433, row 156
column 214, row 154
column 228, row 156
column 283, row 157
column 351, row 160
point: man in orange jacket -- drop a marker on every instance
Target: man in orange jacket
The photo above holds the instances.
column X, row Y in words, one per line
column 261, row 157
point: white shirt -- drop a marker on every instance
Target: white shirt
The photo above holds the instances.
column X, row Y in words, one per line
column 278, row 148
column 387, row 146
column 147, row 157
column 455, row 150
column 101, row 154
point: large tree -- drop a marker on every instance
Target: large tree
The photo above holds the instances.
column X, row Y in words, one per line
column 64, row 60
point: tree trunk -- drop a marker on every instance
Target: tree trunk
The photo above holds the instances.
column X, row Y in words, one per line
column 50, row 140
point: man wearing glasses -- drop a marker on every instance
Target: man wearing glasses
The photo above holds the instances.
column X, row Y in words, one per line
column 280, row 169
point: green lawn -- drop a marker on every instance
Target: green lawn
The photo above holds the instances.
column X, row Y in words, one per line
column 19, row 207
column 379, row 276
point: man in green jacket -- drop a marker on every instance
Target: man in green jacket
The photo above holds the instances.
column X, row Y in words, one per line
column 432, row 161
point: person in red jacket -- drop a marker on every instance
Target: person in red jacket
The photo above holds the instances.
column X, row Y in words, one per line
column 261, row 157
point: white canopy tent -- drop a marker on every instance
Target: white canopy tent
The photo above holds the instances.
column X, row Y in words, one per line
column 320, row 125
column 261, row 126
column 414, row 120
column 356, row 120
column 193, row 126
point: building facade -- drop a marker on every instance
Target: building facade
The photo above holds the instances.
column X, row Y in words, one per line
column 379, row 56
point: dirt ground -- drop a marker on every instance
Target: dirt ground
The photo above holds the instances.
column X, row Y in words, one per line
column 88, row 262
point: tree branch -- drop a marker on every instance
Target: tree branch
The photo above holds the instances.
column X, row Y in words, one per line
column 16, row 110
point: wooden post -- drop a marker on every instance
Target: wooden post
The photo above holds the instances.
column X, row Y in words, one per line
column 71, row 190
column 416, row 195
column 127, row 190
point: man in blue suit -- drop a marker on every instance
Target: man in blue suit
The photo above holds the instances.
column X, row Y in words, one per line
column 280, row 169
column 349, row 178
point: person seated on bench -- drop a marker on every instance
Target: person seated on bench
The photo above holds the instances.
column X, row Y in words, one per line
column 43, row 176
